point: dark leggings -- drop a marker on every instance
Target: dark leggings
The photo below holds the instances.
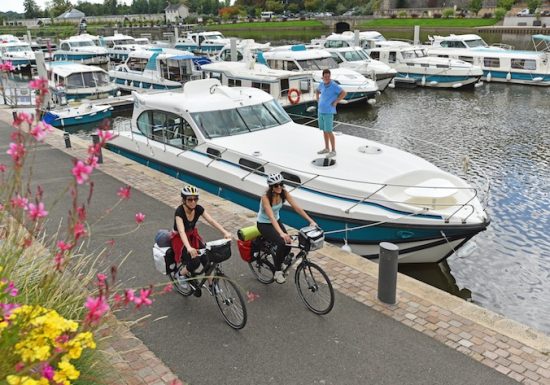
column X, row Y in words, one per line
column 268, row 232
column 193, row 263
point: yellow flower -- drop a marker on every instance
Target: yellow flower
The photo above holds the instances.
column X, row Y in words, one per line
column 66, row 371
column 17, row 380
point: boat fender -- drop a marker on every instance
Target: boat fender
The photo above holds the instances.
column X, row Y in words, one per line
column 508, row 76
column 488, row 78
column 294, row 96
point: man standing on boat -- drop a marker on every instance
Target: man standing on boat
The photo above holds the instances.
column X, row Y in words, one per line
column 328, row 95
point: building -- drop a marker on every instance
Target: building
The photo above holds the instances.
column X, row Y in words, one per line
column 72, row 14
column 176, row 12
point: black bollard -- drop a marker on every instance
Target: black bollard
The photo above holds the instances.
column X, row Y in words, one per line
column 67, row 139
column 95, row 140
column 387, row 272
column 14, row 114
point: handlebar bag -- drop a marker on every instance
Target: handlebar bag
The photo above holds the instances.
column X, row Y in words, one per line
column 219, row 251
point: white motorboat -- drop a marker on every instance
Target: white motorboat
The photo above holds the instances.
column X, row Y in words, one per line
column 156, row 69
column 119, row 46
column 208, row 42
column 498, row 65
column 81, row 49
column 245, row 49
column 19, row 53
column 415, row 68
column 74, row 81
column 227, row 139
column 314, row 61
column 295, row 91
column 363, row 39
column 84, row 113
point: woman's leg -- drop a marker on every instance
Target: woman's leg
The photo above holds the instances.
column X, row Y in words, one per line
column 268, row 232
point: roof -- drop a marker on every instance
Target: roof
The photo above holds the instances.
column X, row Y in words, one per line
column 66, row 68
column 174, row 7
column 73, row 13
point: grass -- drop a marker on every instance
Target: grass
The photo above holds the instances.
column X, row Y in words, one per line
column 294, row 24
column 449, row 23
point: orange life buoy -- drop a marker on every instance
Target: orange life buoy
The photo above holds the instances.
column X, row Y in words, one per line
column 293, row 96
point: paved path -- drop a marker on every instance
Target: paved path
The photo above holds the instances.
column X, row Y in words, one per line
column 429, row 337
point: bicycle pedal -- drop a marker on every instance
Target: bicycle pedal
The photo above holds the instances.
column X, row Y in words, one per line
column 198, row 292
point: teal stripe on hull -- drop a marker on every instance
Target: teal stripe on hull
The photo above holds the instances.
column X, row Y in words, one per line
column 78, row 57
column 83, row 120
column 143, row 85
column 370, row 235
column 501, row 75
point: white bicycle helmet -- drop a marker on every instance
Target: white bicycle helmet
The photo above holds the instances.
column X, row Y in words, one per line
column 189, row 191
column 274, row 179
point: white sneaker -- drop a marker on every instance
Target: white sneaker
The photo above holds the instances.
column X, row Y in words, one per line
column 331, row 154
column 182, row 281
column 279, row 277
column 323, row 151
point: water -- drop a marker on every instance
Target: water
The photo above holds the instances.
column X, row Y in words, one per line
column 505, row 131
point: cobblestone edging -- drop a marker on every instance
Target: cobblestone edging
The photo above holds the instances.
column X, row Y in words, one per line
column 515, row 350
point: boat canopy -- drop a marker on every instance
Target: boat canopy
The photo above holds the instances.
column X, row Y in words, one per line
column 541, row 42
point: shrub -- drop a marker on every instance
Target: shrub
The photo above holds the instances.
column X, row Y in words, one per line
column 437, row 15
column 402, row 14
column 487, row 15
column 414, row 15
column 393, row 16
column 448, row 12
column 500, row 13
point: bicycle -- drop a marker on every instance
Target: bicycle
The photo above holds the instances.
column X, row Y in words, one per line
column 312, row 283
column 228, row 296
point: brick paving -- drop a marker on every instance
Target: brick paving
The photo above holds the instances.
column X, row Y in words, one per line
column 515, row 350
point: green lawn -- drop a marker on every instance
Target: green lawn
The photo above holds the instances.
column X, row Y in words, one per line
column 451, row 23
column 296, row 24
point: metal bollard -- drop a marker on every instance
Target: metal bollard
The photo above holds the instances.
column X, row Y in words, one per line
column 14, row 114
column 67, row 139
column 95, row 140
column 387, row 272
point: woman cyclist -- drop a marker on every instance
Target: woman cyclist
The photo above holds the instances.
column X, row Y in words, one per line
column 269, row 223
column 185, row 220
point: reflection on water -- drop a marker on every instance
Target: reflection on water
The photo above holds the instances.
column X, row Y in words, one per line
column 505, row 130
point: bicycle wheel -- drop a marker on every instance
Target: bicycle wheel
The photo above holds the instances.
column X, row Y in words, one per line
column 184, row 289
column 262, row 267
column 314, row 288
column 230, row 301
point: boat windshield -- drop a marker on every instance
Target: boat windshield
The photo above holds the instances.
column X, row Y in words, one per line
column 214, row 37
column 88, row 43
column 354, row 55
column 87, row 79
column 318, row 64
column 411, row 54
column 123, row 41
column 216, row 124
column 476, row 43
column 18, row 48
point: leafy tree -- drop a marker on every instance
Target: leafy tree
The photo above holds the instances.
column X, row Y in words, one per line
column 475, row 6
column 448, row 12
column 109, row 7
column 275, row 6
column 506, row 4
column 32, row 9
column 533, row 5
column 57, row 7
column 311, row 5
column 500, row 13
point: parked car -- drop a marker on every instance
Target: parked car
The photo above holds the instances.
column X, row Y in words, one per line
column 546, row 12
column 524, row 12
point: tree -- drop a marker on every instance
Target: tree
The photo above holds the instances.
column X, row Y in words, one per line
column 506, row 4
column 533, row 5
column 475, row 6
column 31, row 9
column 109, row 7
column 275, row 6
column 57, row 7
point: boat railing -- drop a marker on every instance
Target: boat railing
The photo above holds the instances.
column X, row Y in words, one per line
column 377, row 193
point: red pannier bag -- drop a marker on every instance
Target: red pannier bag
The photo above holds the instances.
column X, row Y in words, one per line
column 245, row 249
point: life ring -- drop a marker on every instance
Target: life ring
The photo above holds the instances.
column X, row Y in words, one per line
column 293, row 96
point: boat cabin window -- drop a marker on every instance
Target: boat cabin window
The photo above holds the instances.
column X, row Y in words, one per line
column 374, row 55
column 290, row 66
column 524, row 64
column 353, row 56
column 318, row 64
column 266, row 87
column 215, row 124
column 476, row 43
column 336, row 57
column 491, row 62
column 234, row 82
column 467, row 59
column 215, row 75
column 109, row 43
column 453, row 44
column 65, row 46
column 250, row 165
column 168, row 128
column 137, row 63
column 176, row 70
column 336, row 44
column 291, row 179
column 392, row 57
column 225, row 55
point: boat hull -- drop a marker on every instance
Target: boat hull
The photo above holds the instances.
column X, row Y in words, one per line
column 82, row 58
column 78, row 120
column 437, row 81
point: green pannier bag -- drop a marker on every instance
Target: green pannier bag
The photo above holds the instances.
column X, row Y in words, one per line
column 248, row 233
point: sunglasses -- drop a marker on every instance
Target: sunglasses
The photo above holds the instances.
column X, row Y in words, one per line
column 192, row 199
column 277, row 185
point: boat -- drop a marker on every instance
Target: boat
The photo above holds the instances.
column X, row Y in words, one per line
column 244, row 49
column 84, row 113
column 74, row 81
column 498, row 64
column 313, row 61
column 156, row 69
column 357, row 59
column 119, row 46
column 208, row 42
column 81, row 49
column 226, row 140
column 19, row 53
column 363, row 39
column 415, row 68
column 295, row 91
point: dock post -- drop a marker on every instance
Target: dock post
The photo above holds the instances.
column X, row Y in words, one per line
column 233, row 48
column 416, row 38
column 356, row 38
column 67, row 139
column 95, row 141
column 387, row 272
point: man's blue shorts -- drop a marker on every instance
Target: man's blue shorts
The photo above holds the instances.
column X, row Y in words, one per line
column 326, row 122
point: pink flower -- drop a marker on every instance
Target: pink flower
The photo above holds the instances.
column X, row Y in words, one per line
column 40, row 130
column 19, row 366
column 17, row 152
column 79, row 230
column 47, row 372
column 63, row 246
column 92, row 161
column 7, row 308
column 251, row 296
column 37, row 211
column 110, row 242
column 129, row 295
column 105, row 135
column 11, row 290
column 81, row 172
column 124, row 192
column 7, row 67
column 81, row 211
column 40, row 84
column 3, row 167
column 58, row 260
column 20, row 202
column 22, row 117
column 143, row 298
column 168, row 288
column 1, row 207
column 140, row 217
column 101, row 280
column 97, row 307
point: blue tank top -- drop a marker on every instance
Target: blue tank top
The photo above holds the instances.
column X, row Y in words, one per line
column 262, row 216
